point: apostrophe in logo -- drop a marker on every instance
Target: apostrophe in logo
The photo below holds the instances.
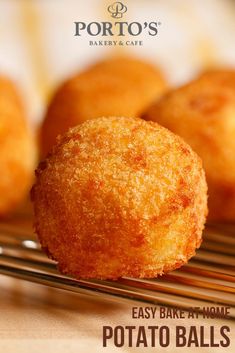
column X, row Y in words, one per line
column 117, row 9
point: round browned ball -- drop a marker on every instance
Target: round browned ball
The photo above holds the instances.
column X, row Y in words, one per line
column 17, row 149
column 203, row 113
column 120, row 197
column 119, row 86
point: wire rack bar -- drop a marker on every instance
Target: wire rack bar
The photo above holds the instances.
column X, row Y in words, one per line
column 207, row 280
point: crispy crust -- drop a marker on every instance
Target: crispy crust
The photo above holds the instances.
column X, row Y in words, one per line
column 118, row 86
column 17, row 149
column 120, row 197
column 203, row 113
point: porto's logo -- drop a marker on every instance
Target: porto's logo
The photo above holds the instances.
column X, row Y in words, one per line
column 117, row 9
column 114, row 33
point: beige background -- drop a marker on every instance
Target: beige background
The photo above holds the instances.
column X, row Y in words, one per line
column 38, row 47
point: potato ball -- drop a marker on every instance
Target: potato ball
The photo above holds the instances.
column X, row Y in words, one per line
column 17, row 150
column 222, row 77
column 203, row 113
column 120, row 197
column 120, row 86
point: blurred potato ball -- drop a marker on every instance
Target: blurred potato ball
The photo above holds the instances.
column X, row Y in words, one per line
column 120, row 86
column 222, row 77
column 203, row 113
column 120, row 197
column 17, row 149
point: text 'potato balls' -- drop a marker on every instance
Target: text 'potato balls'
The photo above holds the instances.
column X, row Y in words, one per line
column 203, row 113
column 116, row 87
column 120, row 197
column 17, row 150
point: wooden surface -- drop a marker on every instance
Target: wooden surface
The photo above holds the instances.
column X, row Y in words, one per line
column 33, row 317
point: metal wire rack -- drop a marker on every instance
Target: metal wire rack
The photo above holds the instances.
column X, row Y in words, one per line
column 207, row 280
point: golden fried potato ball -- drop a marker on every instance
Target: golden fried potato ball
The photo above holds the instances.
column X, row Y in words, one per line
column 222, row 77
column 203, row 113
column 17, row 149
column 120, row 197
column 120, row 86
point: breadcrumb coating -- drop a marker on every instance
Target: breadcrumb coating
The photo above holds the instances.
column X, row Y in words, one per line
column 120, row 86
column 120, row 197
column 17, row 149
column 203, row 113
